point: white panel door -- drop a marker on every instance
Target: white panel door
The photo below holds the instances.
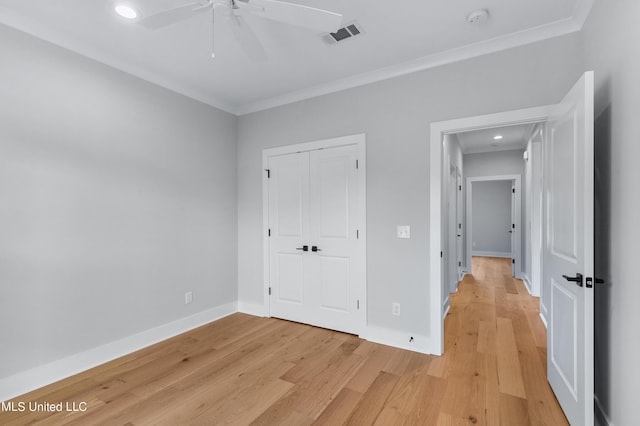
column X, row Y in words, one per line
column 568, row 251
column 289, row 228
column 333, row 217
column 512, row 230
column 314, row 260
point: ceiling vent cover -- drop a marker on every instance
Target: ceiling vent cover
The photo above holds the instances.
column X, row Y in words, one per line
column 348, row 31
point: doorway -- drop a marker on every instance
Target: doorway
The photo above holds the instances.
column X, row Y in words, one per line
column 314, row 241
column 494, row 211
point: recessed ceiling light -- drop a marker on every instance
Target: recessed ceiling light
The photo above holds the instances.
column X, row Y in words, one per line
column 497, row 137
column 126, row 11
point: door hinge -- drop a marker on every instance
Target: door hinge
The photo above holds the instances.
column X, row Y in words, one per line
column 441, row 254
column 358, row 304
column 357, row 234
column 513, row 261
column 459, row 263
column 459, row 226
column 268, row 173
column 459, row 187
column 513, row 190
column 357, row 164
column 269, row 232
column 269, row 291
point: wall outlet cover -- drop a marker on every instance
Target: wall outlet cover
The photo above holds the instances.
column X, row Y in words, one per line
column 404, row 231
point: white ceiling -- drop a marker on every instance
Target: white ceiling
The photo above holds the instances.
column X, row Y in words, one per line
column 400, row 37
column 513, row 137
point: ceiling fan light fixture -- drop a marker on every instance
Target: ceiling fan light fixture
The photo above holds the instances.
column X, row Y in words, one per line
column 126, row 11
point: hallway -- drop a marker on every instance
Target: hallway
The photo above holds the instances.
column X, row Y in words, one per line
column 495, row 352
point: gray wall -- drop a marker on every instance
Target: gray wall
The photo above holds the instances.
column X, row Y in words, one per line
column 117, row 197
column 610, row 39
column 396, row 115
column 491, row 217
column 494, row 164
column 497, row 164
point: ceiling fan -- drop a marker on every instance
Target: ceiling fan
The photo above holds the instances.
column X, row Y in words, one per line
column 233, row 10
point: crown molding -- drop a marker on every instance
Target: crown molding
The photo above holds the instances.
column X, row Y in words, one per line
column 531, row 35
column 58, row 38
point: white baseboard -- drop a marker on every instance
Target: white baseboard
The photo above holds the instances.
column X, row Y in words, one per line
column 601, row 417
column 398, row 339
column 255, row 309
column 446, row 305
column 544, row 320
column 527, row 283
column 43, row 375
column 490, row 254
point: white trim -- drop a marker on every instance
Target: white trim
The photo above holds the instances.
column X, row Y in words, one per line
column 531, row 35
column 446, row 307
column 438, row 130
column 82, row 47
column 508, row 41
column 600, row 414
column 43, row 375
column 250, row 308
column 490, row 254
column 544, row 320
column 527, row 282
column 359, row 140
column 398, row 339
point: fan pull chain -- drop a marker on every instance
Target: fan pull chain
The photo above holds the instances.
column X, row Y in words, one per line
column 213, row 32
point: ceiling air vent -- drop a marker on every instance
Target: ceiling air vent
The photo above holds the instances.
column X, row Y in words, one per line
column 349, row 31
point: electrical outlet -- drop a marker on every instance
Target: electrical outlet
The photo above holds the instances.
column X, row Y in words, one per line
column 395, row 309
column 188, row 297
column 404, row 231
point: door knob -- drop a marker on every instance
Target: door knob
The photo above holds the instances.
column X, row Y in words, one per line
column 577, row 279
column 303, row 248
column 315, row 248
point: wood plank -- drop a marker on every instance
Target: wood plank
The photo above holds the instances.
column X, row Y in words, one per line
column 263, row 371
column 373, row 400
column 509, row 372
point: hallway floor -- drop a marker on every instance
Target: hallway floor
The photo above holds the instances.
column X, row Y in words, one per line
column 495, row 352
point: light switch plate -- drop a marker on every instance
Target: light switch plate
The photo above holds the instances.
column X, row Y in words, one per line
column 404, row 231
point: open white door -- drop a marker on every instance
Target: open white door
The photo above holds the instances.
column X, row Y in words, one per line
column 568, row 251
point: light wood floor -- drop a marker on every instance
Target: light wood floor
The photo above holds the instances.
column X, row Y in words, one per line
column 246, row 370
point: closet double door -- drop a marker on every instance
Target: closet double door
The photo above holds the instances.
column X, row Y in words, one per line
column 315, row 261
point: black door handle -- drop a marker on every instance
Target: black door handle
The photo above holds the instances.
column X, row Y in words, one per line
column 315, row 248
column 577, row 279
column 303, row 248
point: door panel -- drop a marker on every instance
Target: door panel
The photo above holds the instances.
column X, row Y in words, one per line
column 564, row 156
column 333, row 196
column 289, row 198
column 289, row 226
column 335, row 283
column 313, row 202
column 290, row 276
column 568, row 250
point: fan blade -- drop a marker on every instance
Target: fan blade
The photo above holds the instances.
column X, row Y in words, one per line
column 247, row 39
column 295, row 14
column 171, row 16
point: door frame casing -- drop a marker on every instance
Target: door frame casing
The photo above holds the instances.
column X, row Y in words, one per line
column 437, row 132
column 517, row 214
column 358, row 140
